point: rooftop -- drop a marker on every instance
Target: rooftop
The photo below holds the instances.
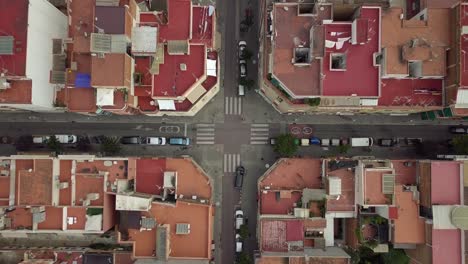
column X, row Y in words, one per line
column 87, row 102
column 292, row 30
column 14, row 22
column 202, row 26
column 20, row 92
column 175, row 79
column 53, row 220
column 360, row 76
column 373, row 191
column 111, row 19
column 279, row 202
column 178, row 26
column 82, row 24
column 464, row 46
column 150, row 175
column 447, row 246
column 411, row 92
column 275, row 234
column 191, row 180
column 198, row 216
column 87, row 184
column 445, row 183
column 293, row 174
column 119, row 66
column 408, row 226
column 34, row 182
column 416, row 40
column 346, row 201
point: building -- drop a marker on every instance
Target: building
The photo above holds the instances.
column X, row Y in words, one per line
column 28, row 54
column 301, row 204
column 157, row 205
column 349, row 58
column 129, row 58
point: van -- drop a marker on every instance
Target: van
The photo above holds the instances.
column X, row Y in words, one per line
column 179, row 141
column 362, row 142
column 241, row 91
column 240, row 172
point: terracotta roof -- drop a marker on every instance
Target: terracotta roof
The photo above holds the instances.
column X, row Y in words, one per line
column 34, row 178
column 408, row 226
column 445, row 182
column 373, row 194
column 432, row 38
column 20, row 92
column 293, row 174
column 114, row 70
column 82, row 23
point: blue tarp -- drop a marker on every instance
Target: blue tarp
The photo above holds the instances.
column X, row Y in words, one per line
column 83, row 80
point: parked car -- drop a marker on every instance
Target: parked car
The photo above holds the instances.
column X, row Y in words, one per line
column 154, row 140
column 458, row 130
column 240, row 172
column 325, row 142
column 241, row 90
column 272, row 141
column 243, row 68
column 314, row 141
column 305, row 142
column 238, row 244
column 387, row 142
column 362, row 142
column 242, row 48
column 239, row 219
column 180, row 141
column 64, row 139
column 335, row 142
column 131, row 140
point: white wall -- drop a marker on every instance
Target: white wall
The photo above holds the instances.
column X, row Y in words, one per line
column 45, row 22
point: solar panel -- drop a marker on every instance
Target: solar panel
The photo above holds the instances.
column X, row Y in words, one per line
column 6, row 45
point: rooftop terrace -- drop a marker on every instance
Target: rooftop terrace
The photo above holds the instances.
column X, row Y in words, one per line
column 445, row 185
column 447, row 246
column 14, row 22
column 464, row 46
column 408, row 226
column 411, row 92
column 34, row 182
column 373, row 193
column 346, row 201
column 359, row 76
column 293, row 174
column 20, row 92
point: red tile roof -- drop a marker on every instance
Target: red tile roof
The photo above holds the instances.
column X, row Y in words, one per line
column 445, row 182
column 14, row 22
column 34, row 182
column 360, row 77
column 447, row 247
column 273, row 235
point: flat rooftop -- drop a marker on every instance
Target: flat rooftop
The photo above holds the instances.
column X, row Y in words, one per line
column 202, row 26
column 111, row 19
column 113, row 70
column 432, row 38
column 89, row 184
column 373, row 193
column 346, row 202
column 291, row 30
column 360, row 76
column 20, row 92
column 411, row 92
column 447, row 246
column 172, row 80
column 275, row 203
column 178, row 26
column 191, row 180
column 445, row 182
column 150, row 175
column 82, row 18
column 34, row 182
column 464, row 47
column 54, row 219
column 198, row 216
column 14, row 22
column 293, row 174
column 408, row 226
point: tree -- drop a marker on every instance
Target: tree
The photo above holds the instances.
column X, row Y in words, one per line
column 460, row 144
column 244, row 232
column 54, row 144
column 343, row 149
column 244, row 258
column 83, row 144
column 249, row 83
column 313, row 101
column 110, row 146
column 285, row 145
column 24, row 143
column 395, row 256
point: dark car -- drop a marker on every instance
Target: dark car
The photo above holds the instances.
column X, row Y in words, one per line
column 133, row 140
column 458, row 130
column 387, row 142
column 240, row 172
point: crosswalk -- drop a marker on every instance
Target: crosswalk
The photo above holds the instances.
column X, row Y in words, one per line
column 205, row 134
column 259, row 134
column 233, row 105
column 231, row 162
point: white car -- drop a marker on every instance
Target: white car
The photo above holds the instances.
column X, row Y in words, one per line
column 238, row 243
column 64, row 139
column 154, row 141
column 242, row 47
column 239, row 219
column 243, row 68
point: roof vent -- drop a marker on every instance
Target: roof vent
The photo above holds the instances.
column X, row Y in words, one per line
column 182, row 229
column 6, row 45
column 183, row 67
